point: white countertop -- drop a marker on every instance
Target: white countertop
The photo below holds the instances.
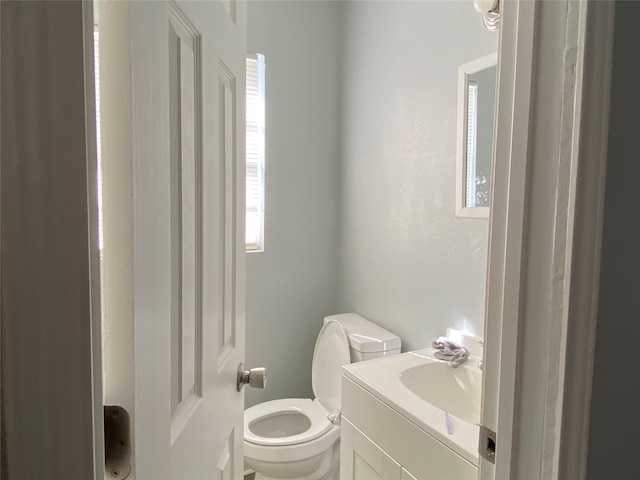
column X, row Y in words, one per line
column 381, row 378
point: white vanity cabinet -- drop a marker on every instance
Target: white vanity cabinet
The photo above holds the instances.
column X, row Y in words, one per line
column 379, row 443
column 366, row 459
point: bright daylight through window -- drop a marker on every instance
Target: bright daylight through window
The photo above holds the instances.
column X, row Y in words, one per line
column 96, row 59
column 472, row 128
column 255, row 153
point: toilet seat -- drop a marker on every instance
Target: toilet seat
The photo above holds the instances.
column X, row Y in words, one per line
column 298, row 437
column 330, row 354
column 312, row 409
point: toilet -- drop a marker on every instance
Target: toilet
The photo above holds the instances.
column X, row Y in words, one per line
column 299, row 438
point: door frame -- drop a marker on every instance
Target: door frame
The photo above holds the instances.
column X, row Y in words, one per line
column 51, row 380
column 545, row 235
column 515, row 355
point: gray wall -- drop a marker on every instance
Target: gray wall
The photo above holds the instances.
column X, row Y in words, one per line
column 291, row 285
column 406, row 261
column 48, row 290
column 615, row 421
column 360, row 171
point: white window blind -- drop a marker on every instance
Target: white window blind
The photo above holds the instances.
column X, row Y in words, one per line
column 472, row 129
column 96, row 59
column 255, row 153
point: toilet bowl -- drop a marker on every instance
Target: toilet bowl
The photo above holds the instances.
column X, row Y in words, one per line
column 298, row 438
column 291, row 438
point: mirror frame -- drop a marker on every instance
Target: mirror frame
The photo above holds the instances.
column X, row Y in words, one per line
column 464, row 71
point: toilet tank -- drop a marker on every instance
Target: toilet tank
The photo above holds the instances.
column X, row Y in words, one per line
column 366, row 339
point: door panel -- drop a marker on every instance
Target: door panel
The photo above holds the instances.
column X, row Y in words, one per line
column 188, row 116
column 186, row 219
column 227, row 162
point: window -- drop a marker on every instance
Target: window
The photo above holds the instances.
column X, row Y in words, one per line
column 96, row 60
column 255, row 154
column 472, row 131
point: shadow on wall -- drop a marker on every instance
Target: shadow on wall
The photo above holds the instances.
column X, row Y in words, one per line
column 613, row 436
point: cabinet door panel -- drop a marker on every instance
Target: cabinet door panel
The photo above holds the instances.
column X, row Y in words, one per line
column 413, row 448
column 362, row 459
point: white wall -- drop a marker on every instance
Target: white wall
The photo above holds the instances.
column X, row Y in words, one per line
column 291, row 285
column 361, row 132
column 406, row 261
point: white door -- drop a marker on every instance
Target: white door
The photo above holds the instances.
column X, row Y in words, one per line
column 188, row 70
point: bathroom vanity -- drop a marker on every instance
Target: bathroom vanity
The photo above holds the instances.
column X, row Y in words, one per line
column 410, row 416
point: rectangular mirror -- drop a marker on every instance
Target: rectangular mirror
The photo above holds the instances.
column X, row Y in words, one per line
column 476, row 105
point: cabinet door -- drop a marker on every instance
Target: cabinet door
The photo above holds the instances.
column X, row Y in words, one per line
column 361, row 459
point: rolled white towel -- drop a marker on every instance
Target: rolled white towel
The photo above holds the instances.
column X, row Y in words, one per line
column 445, row 344
column 449, row 350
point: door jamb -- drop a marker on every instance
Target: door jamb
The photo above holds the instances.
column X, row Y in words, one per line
column 523, row 354
column 589, row 164
column 94, row 249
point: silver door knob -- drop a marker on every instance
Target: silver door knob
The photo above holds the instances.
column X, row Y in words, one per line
column 256, row 377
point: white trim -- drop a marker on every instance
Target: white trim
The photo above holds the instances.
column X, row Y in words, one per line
column 588, row 164
column 515, row 64
column 541, row 293
column 473, row 212
column 151, row 235
column 117, row 274
column 94, row 238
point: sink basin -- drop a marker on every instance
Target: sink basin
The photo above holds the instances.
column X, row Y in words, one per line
column 457, row 391
column 421, row 388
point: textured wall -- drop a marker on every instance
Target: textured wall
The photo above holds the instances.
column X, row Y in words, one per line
column 291, row 285
column 361, row 137
column 406, row 261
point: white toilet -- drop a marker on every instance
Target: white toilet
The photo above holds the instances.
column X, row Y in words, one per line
column 300, row 438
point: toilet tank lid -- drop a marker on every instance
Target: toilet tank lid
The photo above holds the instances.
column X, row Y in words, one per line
column 364, row 335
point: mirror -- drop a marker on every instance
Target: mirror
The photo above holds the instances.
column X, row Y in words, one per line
column 476, row 104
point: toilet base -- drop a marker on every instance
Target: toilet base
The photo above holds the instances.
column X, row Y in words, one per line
column 334, row 476
column 328, row 468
